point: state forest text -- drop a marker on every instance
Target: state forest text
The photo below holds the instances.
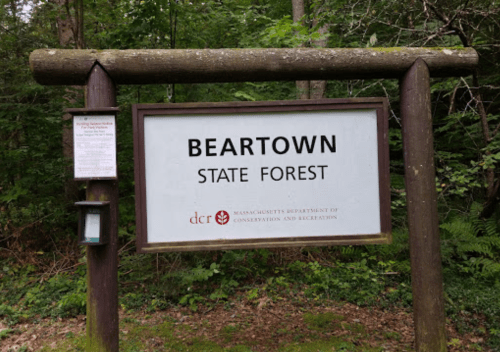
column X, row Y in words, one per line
column 280, row 145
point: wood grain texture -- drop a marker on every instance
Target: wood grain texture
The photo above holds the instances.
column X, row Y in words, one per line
column 102, row 261
column 72, row 67
column 425, row 255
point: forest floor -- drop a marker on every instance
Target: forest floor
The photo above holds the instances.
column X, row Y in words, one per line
column 286, row 324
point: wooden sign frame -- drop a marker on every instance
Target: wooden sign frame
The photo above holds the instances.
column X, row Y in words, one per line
column 140, row 111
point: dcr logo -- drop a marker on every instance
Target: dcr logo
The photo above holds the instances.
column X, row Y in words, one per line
column 221, row 218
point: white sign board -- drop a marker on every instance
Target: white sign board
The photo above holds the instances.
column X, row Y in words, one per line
column 94, row 139
column 261, row 175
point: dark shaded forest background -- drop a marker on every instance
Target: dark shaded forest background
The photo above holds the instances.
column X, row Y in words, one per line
column 38, row 219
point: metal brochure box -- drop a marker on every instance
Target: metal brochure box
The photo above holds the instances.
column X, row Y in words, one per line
column 93, row 223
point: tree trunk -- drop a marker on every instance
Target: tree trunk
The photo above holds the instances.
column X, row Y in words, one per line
column 318, row 88
column 70, row 25
column 492, row 182
column 70, row 31
column 298, row 15
column 310, row 89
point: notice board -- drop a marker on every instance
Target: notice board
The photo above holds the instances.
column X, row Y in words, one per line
column 261, row 174
column 94, row 147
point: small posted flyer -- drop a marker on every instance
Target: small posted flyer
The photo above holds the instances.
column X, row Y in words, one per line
column 94, row 139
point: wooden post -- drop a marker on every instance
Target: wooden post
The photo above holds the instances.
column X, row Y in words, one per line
column 426, row 274
column 102, row 261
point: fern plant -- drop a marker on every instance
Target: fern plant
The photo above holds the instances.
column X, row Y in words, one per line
column 472, row 243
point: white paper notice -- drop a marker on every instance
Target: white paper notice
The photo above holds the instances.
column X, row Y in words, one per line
column 94, row 146
column 92, row 227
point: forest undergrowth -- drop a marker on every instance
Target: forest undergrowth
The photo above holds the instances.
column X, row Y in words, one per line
column 40, row 286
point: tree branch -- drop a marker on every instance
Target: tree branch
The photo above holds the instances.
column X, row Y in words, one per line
column 449, row 23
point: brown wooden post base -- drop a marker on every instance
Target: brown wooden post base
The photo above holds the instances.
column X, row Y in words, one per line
column 426, row 274
column 102, row 261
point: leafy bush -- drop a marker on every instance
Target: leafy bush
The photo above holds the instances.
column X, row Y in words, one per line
column 472, row 245
column 354, row 282
column 25, row 295
column 74, row 301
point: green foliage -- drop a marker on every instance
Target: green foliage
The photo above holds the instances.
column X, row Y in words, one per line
column 199, row 274
column 220, row 279
column 5, row 333
column 74, row 302
column 133, row 301
column 193, row 276
column 472, row 245
column 147, row 335
column 322, row 321
column 459, row 170
column 468, row 299
column 285, row 34
column 392, row 335
column 30, row 137
column 355, row 282
column 26, row 295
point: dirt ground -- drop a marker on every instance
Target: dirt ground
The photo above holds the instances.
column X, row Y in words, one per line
column 262, row 324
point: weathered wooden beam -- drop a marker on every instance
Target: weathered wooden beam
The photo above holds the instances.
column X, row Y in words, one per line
column 72, row 67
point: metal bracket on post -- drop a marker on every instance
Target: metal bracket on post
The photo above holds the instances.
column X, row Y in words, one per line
column 425, row 257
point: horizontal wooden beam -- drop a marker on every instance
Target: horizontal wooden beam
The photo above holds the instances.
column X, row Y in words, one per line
column 72, row 67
